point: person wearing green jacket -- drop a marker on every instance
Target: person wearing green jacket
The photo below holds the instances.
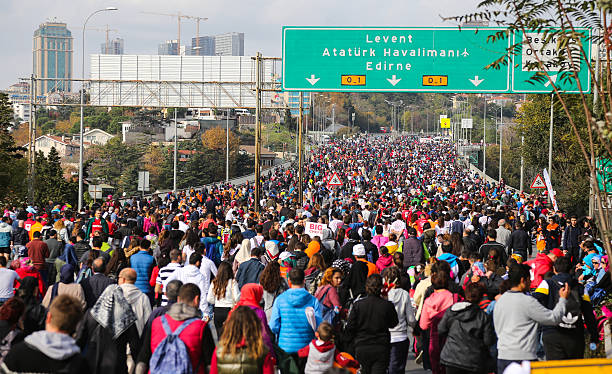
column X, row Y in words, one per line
column 96, row 223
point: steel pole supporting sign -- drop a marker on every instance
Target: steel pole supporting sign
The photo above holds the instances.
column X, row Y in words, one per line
column 412, row 59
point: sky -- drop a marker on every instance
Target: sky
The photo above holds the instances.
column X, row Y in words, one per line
column 259, row 20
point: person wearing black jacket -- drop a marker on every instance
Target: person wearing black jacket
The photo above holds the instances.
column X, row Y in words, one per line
column 492, row 244
column 368, row 325
column 412, row 249
column 519, row 241
column 566, row 340
column 469, row 334
column 571, row 243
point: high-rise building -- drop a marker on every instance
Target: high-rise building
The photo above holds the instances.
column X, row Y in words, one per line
column 114, row 47
column 229, row 44
column 202, row 46
column 169, row 47
column 52, row 57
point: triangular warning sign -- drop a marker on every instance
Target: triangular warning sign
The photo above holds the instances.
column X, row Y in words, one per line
column 538, row 182
column 335, row 180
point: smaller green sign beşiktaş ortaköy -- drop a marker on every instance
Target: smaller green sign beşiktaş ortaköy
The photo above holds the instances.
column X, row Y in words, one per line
column 396, row 59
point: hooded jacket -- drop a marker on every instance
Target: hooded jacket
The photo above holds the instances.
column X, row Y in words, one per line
column 469, row 335
column 140, row 304
column 384, row 262
column 289, row 319
column 405, row 313
column 540, row 265
column 370, row 320
column 47, row 352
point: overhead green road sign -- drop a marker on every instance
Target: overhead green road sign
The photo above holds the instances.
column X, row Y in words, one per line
column 398, row 59
column 547, row 52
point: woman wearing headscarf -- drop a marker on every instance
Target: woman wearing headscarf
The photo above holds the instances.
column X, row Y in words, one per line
column 35, row 314
column 251, row 295
column 66, row 286
column 106, row 331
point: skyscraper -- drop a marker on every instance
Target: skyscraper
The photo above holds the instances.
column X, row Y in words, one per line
column 169, row 47
column 203, row 46
column 52, row 56
column 229, row 44
column 115, row 47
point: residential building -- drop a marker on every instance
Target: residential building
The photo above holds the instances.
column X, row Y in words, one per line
column 169, row 47
column 21, row 112
column 229, row 44
column 268, row 158
column 202, row 46
column 66, row 148
column 52, row 57
column 114, row 47
column 94, row 136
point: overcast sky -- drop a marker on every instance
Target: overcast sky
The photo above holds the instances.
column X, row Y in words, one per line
column 260, row 20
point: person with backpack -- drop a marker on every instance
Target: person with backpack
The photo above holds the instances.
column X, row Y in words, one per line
column 412, row 248
column 566, row 340
column 179, row 342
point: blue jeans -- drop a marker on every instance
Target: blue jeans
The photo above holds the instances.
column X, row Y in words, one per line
column 398, row 357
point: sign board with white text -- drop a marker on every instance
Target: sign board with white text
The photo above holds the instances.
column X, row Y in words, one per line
column 314, row 229
column 406, row 59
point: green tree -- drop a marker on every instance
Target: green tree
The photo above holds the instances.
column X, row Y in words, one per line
column 14, row 168
column 117, row 164
column 49, row 181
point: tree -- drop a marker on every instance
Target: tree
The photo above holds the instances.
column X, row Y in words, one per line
column 117, row 164
column 14, row 168
column 215, row 140
column 49, row 181
column 153, row 160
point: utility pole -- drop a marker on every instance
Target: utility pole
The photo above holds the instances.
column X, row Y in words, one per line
column 522, row 161
column 227, row 146
column 257, row 130
column 484, row 139
column 301, row 152
column 550, row 137
column 501, row 132
column 175, row 152
column 32, row 138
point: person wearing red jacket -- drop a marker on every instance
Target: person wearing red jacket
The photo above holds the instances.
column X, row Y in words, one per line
column 542, row 264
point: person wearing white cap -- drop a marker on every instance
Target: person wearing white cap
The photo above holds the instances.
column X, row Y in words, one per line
column 360, row 255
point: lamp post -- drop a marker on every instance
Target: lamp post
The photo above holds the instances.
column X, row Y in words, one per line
column 80, row 200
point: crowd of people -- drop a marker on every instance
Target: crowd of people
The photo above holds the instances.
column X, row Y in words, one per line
column 412, row 255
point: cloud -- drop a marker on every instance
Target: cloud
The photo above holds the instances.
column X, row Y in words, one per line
column 260, row 20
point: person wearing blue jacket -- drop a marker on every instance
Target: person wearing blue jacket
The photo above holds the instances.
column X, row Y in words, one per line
column 296, row 315
column 143, row 263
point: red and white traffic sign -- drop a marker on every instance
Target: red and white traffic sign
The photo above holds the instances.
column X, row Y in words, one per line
column 334, row 180
column 538, row 182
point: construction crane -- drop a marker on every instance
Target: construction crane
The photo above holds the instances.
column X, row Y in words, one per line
column 106, row 29
column 180, row 16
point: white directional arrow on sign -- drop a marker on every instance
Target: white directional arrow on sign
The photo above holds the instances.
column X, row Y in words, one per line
column 553, row 78
column 394, row 80
column 312, row 80
column 476, row 81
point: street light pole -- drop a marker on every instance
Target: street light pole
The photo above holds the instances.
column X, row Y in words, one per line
column 80, row 200
column 227, row 146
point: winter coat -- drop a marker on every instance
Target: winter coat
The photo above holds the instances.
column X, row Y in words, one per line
column 540, row 265
column 289, row 321
column 105, row 354
column 94, row 286
column 384, row 262
column 249, row 272
column 405, row 314
column 469, row 334
column 370, row 320
column 143, row 263
column 413, row 252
